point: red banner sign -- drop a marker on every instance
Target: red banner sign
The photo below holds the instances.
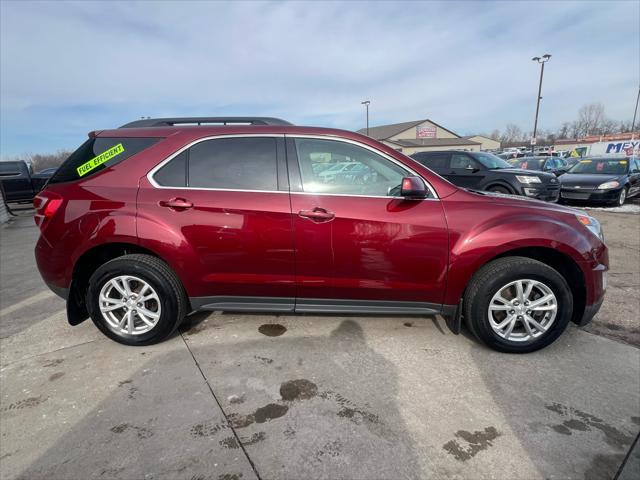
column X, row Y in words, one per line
column 425, row 132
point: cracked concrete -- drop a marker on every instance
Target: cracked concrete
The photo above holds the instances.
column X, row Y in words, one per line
column 277, row 396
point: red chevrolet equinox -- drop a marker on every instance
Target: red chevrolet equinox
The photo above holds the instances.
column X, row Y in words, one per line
column 146, row 223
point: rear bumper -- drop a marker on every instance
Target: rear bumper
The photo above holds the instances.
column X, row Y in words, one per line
column 60, row 291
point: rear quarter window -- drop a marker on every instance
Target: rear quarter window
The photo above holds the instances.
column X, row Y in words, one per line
column 437, row 161
column 12, row 169
column 99, row 153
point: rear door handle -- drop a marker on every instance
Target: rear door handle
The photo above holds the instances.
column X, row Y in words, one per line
column 176, row 204
column 317, row 215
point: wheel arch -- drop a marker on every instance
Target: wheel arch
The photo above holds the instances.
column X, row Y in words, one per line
column 559, row 261
column 84, row 268
column 500, row 183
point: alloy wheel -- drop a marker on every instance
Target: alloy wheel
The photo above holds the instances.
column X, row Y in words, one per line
column 129, row 305
column 522, row 310
column 622, row 197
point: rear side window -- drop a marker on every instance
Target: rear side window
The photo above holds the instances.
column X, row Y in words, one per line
column 436, row 161
column 11, row 169
column 99, row 153
column 226, row 163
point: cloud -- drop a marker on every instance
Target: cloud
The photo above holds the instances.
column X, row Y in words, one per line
column 68, row 68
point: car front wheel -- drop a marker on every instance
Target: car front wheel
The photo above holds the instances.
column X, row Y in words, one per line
column 622, row 197
column 136, row 300
column 517, row 305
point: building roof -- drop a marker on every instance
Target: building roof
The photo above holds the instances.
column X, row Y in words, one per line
column 434, row 142
column 383, row 132
column 598, row 138
column 481, row 136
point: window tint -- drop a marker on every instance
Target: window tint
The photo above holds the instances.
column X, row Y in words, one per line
column 460, row 160
column 99, row 153
column 601, row 166
column 234, row 163
column 436, row 161
column 490, row 161
column 328, row 166
column 12, row 168
column 174, row 173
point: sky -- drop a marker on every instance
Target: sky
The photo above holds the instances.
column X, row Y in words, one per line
column 67, row 68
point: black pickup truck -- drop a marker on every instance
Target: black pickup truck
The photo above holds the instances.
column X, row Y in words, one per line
column 19, row 183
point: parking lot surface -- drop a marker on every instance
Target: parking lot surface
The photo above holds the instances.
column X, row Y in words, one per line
column 239, row 396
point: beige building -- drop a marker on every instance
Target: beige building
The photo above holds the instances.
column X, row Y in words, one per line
column 420, row 136
column 486, row 143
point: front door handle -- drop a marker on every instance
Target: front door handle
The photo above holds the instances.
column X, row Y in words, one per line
column 178, row 204
column 317, row 215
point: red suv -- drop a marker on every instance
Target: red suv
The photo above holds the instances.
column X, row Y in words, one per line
column 162, row 217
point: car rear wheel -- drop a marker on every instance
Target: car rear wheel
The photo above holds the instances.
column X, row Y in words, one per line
column 517, row 305
column 136, row 300
column 499, row 189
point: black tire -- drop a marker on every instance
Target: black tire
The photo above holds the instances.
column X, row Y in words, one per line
column 622, row 197
column 491, row 278
column 160, row 277
column 499, row 189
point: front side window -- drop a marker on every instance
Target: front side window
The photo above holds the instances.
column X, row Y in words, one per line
column 225, row 163
column 333, row 167
column 462, row 161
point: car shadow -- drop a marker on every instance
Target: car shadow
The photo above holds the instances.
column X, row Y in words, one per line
column 309, row 406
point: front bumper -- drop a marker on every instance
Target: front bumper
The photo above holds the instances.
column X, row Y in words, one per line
column 590, row 311
column 595, row 196
column 548, row 193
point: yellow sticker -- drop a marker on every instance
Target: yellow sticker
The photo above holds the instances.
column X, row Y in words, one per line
column 585, row 161
column 623, row 162
column 99, row 160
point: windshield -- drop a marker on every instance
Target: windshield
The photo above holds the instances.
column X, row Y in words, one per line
column 491, row 161
column 602, row 166
column 529, row 163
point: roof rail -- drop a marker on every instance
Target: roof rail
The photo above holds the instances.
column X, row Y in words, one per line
column 170, row 122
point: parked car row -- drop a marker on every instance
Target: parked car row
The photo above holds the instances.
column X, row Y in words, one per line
column 484, row 171
column 607, row 179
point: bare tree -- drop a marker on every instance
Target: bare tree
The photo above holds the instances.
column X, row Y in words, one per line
column 563, row 131
column 590, row 120
column 41, row 161
column 512, row 134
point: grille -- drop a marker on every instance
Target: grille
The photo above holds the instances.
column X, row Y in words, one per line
column 575, row 196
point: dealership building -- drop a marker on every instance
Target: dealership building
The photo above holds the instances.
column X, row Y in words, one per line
column 426, row 135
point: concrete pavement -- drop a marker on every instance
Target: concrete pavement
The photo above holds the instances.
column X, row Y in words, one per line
column 237, row 396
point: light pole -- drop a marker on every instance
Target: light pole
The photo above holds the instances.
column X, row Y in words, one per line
column 366, row 104
column 635, row 112
column 545, row 58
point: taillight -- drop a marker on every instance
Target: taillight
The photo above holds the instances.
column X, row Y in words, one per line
column 46, row 205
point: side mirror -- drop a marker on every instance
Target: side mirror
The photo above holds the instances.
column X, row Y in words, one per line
column 413, row 187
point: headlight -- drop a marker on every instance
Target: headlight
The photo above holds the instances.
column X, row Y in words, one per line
column 592, row 224
column 608, row 185
column 527, row 179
